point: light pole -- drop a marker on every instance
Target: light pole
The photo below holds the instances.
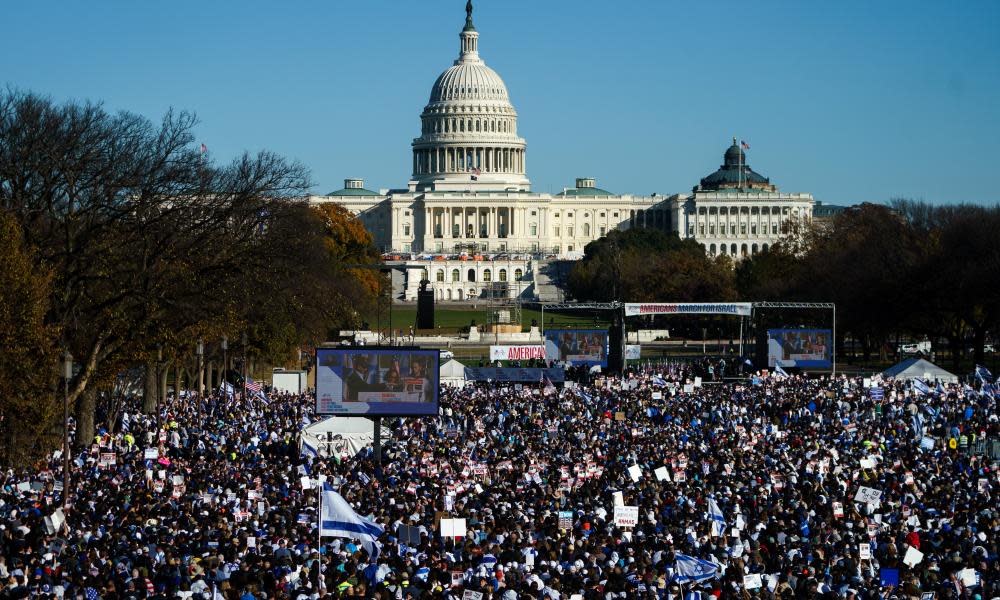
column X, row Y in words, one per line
column 225, row 359
column 67, row 375
column 243, row 339
column 200, row 351
column 159, row 387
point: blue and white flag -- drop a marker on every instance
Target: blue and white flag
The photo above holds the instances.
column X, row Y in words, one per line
column 657, row 380
column 422, row 573
column 307, row 449
column 227, row 389
column 689, row 569
column 779, row 371
column 692, row 595
column 921, row 387
column 583, row 395
column 714, row 512
column 983, row 374
column 338, row 519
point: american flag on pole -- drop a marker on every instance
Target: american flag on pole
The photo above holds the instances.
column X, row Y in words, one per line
column 255, row 388
column 744, row 145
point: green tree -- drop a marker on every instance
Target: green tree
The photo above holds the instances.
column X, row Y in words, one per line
column 29, row 409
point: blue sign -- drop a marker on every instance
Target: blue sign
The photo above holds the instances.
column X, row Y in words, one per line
column 876, row 393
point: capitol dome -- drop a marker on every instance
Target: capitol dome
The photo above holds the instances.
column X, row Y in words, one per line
column 469, row 128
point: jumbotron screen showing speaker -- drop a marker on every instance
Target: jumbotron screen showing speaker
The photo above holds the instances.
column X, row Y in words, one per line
column 368, row 382
column 577, row 346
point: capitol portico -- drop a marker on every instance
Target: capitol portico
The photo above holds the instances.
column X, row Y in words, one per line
column 469, row 197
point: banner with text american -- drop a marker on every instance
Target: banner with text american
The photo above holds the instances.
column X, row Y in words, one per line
column 517, row 352
column 691, row 308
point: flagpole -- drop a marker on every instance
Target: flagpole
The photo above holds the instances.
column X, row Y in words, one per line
column 319, row 536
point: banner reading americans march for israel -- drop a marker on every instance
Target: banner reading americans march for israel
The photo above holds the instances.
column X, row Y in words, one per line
column 741, row 309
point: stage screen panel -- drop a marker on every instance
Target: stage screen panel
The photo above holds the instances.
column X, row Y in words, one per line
column 799, row 348
column 371, row 382
column 577, row 346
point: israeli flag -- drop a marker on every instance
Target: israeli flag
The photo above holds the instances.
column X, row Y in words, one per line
column 307, row 449
column 338, row 519
column 983, row 374
column 692, row 595
column 921, row 387
column 689, row 569
column 779, row 371
column 714, row 512
column 584, row 395
column 657, row 380
column 422, row 574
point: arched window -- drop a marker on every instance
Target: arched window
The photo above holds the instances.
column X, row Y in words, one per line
column 711, row 249
column 455, row 275
column 753, row 249
column 440, row 275
column 472, row 275
column 518, row 273
column 502, row 275
column 764, row 247
column 586, row 229
column 732, row 249
column 487, row 275
column 743, row 250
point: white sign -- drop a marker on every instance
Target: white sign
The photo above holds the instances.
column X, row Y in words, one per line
column 912, row 557
column 867, row 495
column 635, row 472
column 633, row 352
column 151, row 454
column 453, row 528
column 626, row 516
column 662, row 474
column 516, row 352
column 752, row 582
column 470, row 595
column 657, row 395
column 690, row 308
column 619, row 499
column 864, row 552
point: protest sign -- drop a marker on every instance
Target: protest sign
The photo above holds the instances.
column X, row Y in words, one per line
column 867, row 495
column 912, row 557
column 752, row 582
column 565, row 519
column 453, row 528
column 864, row 551
column 626, row 516
column 661, row 474
column 151, row 454
column 470, row 595
column 457, row 579
column 635, row 472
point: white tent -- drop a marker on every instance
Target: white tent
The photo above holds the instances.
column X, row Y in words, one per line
column 453, row 374
column 340, row 436
column 918, row 368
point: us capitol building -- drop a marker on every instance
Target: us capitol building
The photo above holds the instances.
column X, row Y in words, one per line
column 470, row 224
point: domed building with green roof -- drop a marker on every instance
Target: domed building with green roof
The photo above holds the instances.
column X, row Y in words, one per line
column 469, row 203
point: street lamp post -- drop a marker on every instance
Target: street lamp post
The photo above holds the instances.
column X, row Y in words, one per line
column 200, row 351
column 67, row 375
column 225, row 358
column 243, row 339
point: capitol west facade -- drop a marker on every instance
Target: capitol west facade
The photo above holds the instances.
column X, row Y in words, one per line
column 469, row 212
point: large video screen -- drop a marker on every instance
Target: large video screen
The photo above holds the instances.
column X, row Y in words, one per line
column 377, row 382
column 577, row 346
column 799, row 347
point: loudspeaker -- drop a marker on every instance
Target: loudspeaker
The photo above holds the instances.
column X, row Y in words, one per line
column 616, row 345
column 425, row 307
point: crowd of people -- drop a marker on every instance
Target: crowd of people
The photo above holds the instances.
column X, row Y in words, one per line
column 643, row 486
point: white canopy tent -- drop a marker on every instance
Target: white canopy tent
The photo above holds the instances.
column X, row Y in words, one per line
column 453, row 374
column 918, row 368
column 340, row 436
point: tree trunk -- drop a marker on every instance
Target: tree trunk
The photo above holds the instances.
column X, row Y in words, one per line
column 163, row 372
column 86, row 406
column 954, row 344
column 210, row 378
column 978, row 341
column 150, row 398
column 178, row 380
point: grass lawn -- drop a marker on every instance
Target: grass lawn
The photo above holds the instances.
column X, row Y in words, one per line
column 449, row 319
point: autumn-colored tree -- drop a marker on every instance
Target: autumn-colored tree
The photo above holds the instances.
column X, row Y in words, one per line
column 29, row 407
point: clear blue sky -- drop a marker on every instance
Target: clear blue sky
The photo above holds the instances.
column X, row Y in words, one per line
column 852, row 101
